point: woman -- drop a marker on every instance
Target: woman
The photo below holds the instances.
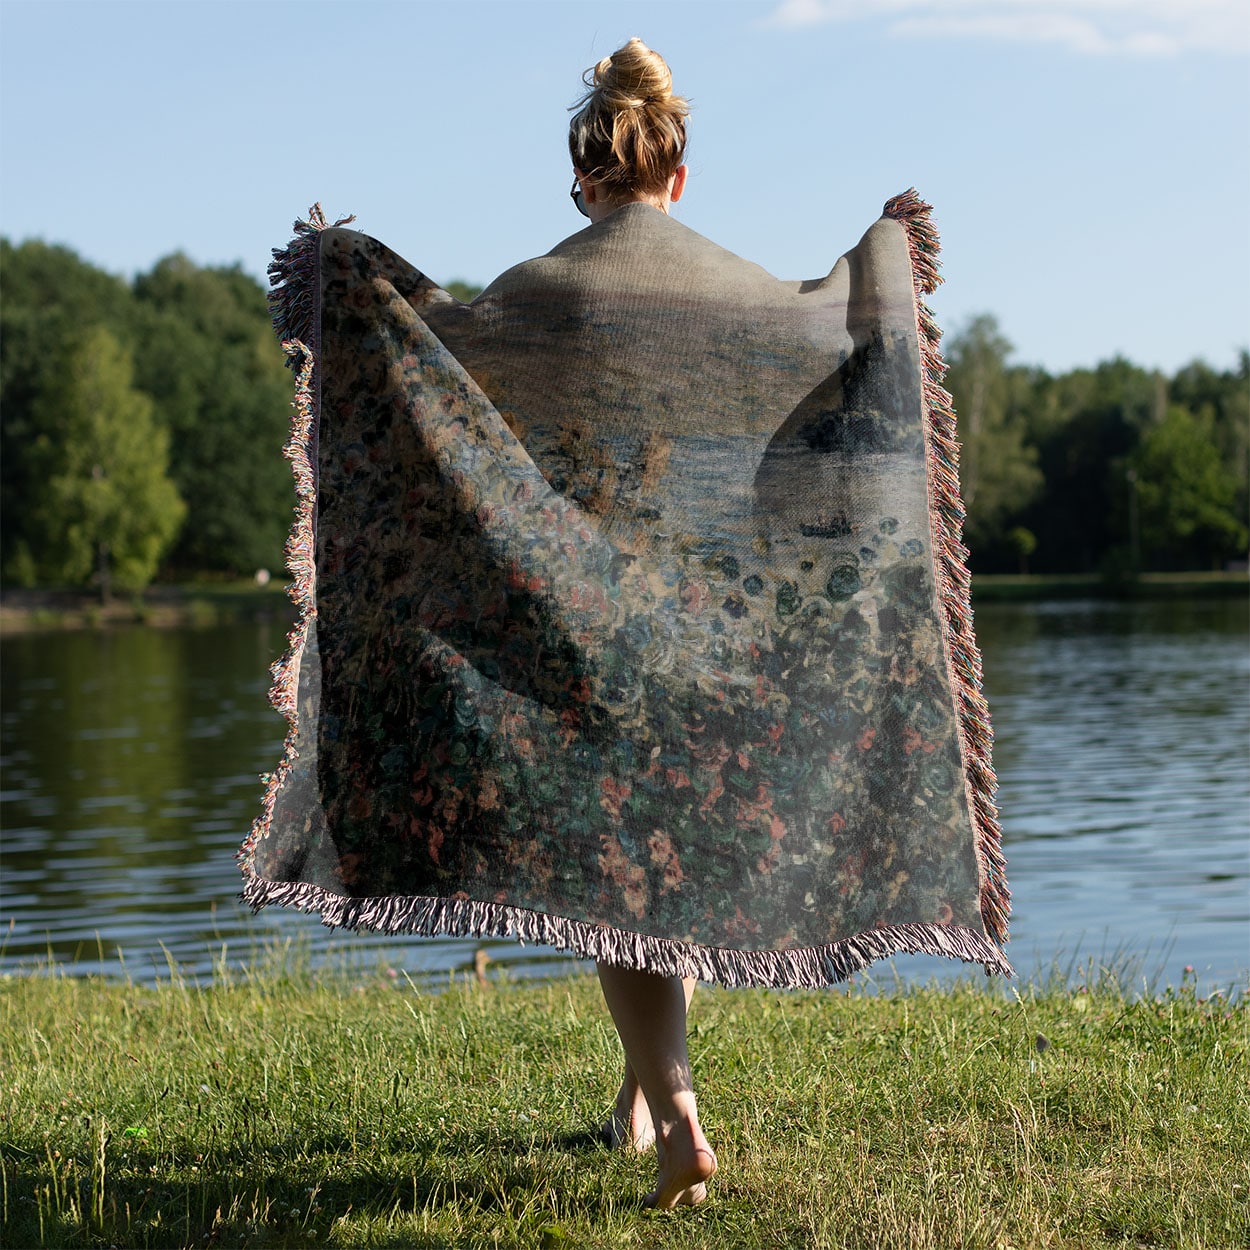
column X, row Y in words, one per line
column 628, row 144
column 634, row 614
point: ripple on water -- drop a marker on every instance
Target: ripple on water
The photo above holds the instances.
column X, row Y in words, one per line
column 1121, row 749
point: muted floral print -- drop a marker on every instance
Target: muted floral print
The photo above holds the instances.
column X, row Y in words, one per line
column 571, row 675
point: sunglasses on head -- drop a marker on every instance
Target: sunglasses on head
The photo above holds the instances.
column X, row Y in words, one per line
column 576, row 196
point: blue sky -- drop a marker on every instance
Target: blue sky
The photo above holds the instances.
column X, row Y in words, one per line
column 1087, row 159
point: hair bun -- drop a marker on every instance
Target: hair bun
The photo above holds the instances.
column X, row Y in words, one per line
column 633, row 77
column 629, row 131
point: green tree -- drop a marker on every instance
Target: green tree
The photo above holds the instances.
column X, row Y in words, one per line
column 208, row 357
column 997, row 466
column 1086, row 424
column 51, row 298
column 106, row 509
column 1187, row 493
column 1024, row 543
column 465, row 292
column 1223, row 399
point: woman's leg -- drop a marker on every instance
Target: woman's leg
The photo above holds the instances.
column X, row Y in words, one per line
column 629, row 1126
column 649, row 1012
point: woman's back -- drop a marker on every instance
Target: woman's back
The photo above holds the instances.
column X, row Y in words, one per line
column 637, row 349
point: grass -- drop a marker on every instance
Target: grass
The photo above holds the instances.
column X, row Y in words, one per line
column 281, row 1107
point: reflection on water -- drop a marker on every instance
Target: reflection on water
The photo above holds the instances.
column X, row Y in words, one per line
column 131, row 762
column 1123, row 739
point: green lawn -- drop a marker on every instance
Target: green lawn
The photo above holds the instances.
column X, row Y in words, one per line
column 282, row 1108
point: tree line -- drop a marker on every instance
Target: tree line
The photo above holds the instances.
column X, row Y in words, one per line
column 142, row 421
column 1114, row 470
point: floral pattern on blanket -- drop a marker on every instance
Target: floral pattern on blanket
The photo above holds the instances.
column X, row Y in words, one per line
column 537, row 688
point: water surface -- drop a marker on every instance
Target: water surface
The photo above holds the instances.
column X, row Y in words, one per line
column 131, row 761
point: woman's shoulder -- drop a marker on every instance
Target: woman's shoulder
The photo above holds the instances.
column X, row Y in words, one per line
column 641, row 248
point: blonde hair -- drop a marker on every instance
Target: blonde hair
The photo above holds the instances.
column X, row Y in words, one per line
column 629, row 131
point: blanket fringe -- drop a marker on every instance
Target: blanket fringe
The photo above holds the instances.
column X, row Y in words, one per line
column 301, row 562
column 954, row 582
column 294, row 303
column 807, row 968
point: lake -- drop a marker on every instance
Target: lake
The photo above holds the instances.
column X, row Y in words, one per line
column 131, row 760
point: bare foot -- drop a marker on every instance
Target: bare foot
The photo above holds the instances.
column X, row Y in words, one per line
column 629, row 1126
column 686, row 1165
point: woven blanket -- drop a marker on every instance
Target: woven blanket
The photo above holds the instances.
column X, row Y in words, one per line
column 634, row 616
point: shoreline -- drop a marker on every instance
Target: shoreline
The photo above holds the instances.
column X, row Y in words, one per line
column 1036, row 587
column 202, row 605
column 171, row 606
